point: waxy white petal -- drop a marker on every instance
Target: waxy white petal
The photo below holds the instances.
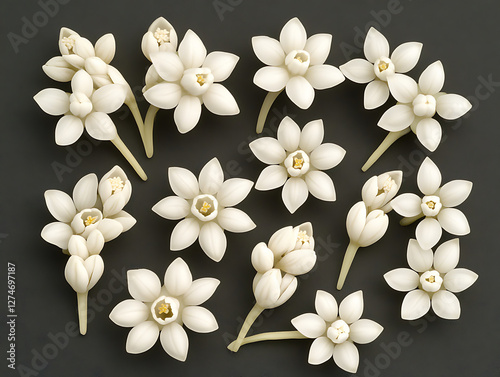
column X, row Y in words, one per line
column 293, row 36
column 431, row 80
column 447, row 255
column 415, row 305
column 310, row 325
column 429, row 133
column 213, row 240
column 178, row 278
column 356, row 220
column 105, row 48
column 143, row 285
column 318, row 46
column 346, row 356
column 109, row 98
column 100, row 126
column 183, row 182
column 374, row 229
column 268, row 150
column 184, row 234
column 77, row 245
column 298, row 262
column 312, row 135
column 267, row 290
column 95, row 268
column 358, row 70
column 110, row 229
column 459, row 279
column 268, row 50
column 376, row 94
column 428, row 233
column 272, row 79
column 60, row 205
column 199, row 319
column 221, row 64
column 82, row 83
column 233, row 191
column 165, row 95
column 129, row 313
column 376, row 45
column 85, row 192
column 288, row 287
column 294, row 194
column 142, row 337
column 125, row 219
column 84, row 48
column 446, row 305
column 262, row 258
column 288, row 134
column 300, row 91
column 53, row 101
column 452, row 106
column 455, row 192
column 235, row 220
column 403, row 88
column 405, row 56
column 365, row 331
column 397, row 118
column 192, row 51
column 326, row 306
column 96, row 67
column 168, row 65
column 200, row 291
column 407, row 205
column 76, row 274
column 58, row 69
column 211, row 177
column 320, row 185
column 57, row 234
column 324, row 76
column 174, row 341
column 187, row 113
column 282, row 241
column 321, row 350
column 95, row 242
column 172, row 208
column 220, row 101
column 454, row 221
column 428, row 177
column 351, row 307
column 271, row 177
column 419, row 259
column 327, row 156
column 402, row 279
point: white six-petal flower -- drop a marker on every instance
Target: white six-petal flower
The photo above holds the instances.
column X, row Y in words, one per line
column 433, row 279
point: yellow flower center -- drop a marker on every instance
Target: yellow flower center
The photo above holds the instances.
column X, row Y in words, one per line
column 200, row 79
column 298, row 163
column 166, row 309
column 69, row 42
column 303, row 237
column 205, row 207
column 116, row 184
column 388, row 185
column 431, row 279
column 162, row 36
column 431, row 204
column 90, row 220
column 382, row 66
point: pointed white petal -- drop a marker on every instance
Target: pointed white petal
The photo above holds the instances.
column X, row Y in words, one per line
column 82, row 83
column 376, row 94
column 213, row 241
column 312, row 135
column 454, row 221
column 85, row 192
column 129, row 313
column 178, row 278
column 200, row 291
column 459, row 279
column 327, row 156
column 174, row 341
column 452, row 106
column 351, row 307
column 419, row 259
column 346, row 356
column 297, row 262
column 142, row 337
column 446, row 305
column 220, row 101
column 356, row 220
column 262, row 258
column 53, row 101
column 324, row 76
column 143, row 285
column 109, row 98
column 96, row 67
column 402, row 279
column 221, row 64
column 365, row 331
column 84, row 48
column 271, row 177
column 282, row 241
column 58, row 69
column 318, row 47
column 187, row 113
column 377, row 223
column 184, row 234
column 183, row 182
column 397, row 118
column 429, row 133
column 57, row 234
column 321, row 350
column 110, row 229
column 267, row 289
column 289, row 134
column 405, row 56
column 233, row 191
column 77, row 62
column 268, row 50
column 95, row 268
column 105, row 48
column 300, row 91
column 320, row 185
column 165, row 95
column 199, row 319
column 211, row 177
column 293, row 36
column 77, row 245
column 192, row 51
column 272, row 79
column 428, row 233
column 294, row 193
column 431, row 80
column 125, row 219
column 288, row 287
column 76, row 274
column 428, row 177
column 403, row 88
column 100, row 126
column 60, row 205
column 376, row 45
column 447, row 255
column 235, row 220
column 415, row 305
column 310, row 325
column 455, row 192
column 326, row 306
column 95, row 242
column 407, row 205
column 168, row 65
column 358, row 70
column 172, row 208
column 268, row 150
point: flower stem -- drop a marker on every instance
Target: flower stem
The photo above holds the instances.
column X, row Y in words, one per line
column 134, row 109
column 148, row 130
column 278, row 335
column 82, row 311
column 388, row 141
column 264, row 110
column 249, row 320
column 410, row 220
column 346, row 264
column 118, row 143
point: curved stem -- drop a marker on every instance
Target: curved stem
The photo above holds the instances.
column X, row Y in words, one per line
column 264, row 110
column 346, row 264
column 410, row 220
column 148, row 130
column 278, row 335
column 118, row 143
column 134, row 109
column 388, row 141
column 249, row 320
column 82, row 311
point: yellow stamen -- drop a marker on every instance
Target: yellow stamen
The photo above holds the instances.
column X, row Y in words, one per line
column 200, row 79
column 303, row 237
column 162, row 36
column 298, row 58
column 298, row 163
column 431, row 279
column 68, row 42
column 205, row 207
column 431, row 204
column 388, row 185
column 164, row 309
column 116, row 184
column 90, row 220
column 382, row 66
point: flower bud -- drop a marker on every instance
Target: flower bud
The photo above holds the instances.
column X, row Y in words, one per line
column 96, row 66
column 105, row 48
column 78, row 246
column 378, row 191
column 282, row 241
column 262, row 258
column 298, row 262
column 59, row 69
column 81, row 274
column 364, row 229
column 272, row 290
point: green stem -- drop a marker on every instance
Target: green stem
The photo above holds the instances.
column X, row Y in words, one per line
column 346, row 264
column 82, row 311
column 388, row 141
column 249, row 320
column 148, row 130
column 264, row 110
column 410, row 220
column 118, row 143
column 134, row 109
column 278, row 335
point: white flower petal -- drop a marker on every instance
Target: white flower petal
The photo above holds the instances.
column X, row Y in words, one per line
column 235, row 220
column 377, row 223
column 53, row 101
column 294, row 194
column 293, row 36
column 351, row 307
column 310, row 325
column 220, row 101
column 397, row 118
column 282, row 241
column 178, row 278
column 320, row 185
column 77, row 245
column 318, row 46
column 415, row 305
column 77, row 62
column 324, row 76
column 429, row 133
column 419, row 259
column 109, row 98
column 447, row 255
column 192, row 51
column 262, row 258
column 168, row 65
column 402, row 279
column 446, row 305
column 233, row 191
column 459, row 279
column 125, row 219
column 454, row 221
column 100, row 126
column 321, row 350
column 184, row 234
column 376, row 94
column 142, row 337
column 407, row 205
column 403, row 88
column 365, row 331
column 289, row 134
column 268, row 150
column 58, row 69
column 326, row 306
column 297, row 262
column 105, row 48
column 199, row 319
column 129, row 313
column 211, row 177
column 358, row 70
column 60, row 205
column 221, row 64
column 95, row 242
column 376, row 45
column 95, row 268
column 346, row 356
column 183, row 182
column 452, row 106
column 300, row 91
column 57, row 234
column 271, row 177
column 187, row 113
column 76, row 274
column 405, row 56
column 84, row 48
column 267, row 289
column 174, row 341
column 268, row 50
column 356, row 220
column 327, row 156
column 431, row 80
column 143, row 285
column 428, row 177
column 85, row 192
column 288, row 287
column 165, row 95
column 82, row 83
column 428, row 233
column 455, row 192
column 96, row 67
column 172, row 208
column 110, row 229
column 312, row 135
column 272, row 79
column 200, row 291
column 213, row 240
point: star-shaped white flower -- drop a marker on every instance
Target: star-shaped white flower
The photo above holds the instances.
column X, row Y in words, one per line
column 296, row 160
column 191, row 78
column 157, row 311
column 433, row 278
column 379, row 69
column 335, row 329
column 436, row 206
column 206, row 206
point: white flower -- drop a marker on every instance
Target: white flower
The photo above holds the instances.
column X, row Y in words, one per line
column 433, row 278
column 161, row 36
column 83, row 274
column 378, row 191
column 296, row 159
column 157, row 311
column 436, row 206
column 379, row 69
column 206, row 206
column 295, row 63
column 335, row 329
column 418, row 103
column 364, row 228
column 191, row 78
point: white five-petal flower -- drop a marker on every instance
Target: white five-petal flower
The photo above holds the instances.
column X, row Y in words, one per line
column 296, row 160
column 157, row 311
column 437, row 206
column 433, row 279
column 206, row 207
column 335, row 329
column 379, row 69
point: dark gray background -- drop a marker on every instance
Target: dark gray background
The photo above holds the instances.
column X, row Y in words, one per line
column 463, row 34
